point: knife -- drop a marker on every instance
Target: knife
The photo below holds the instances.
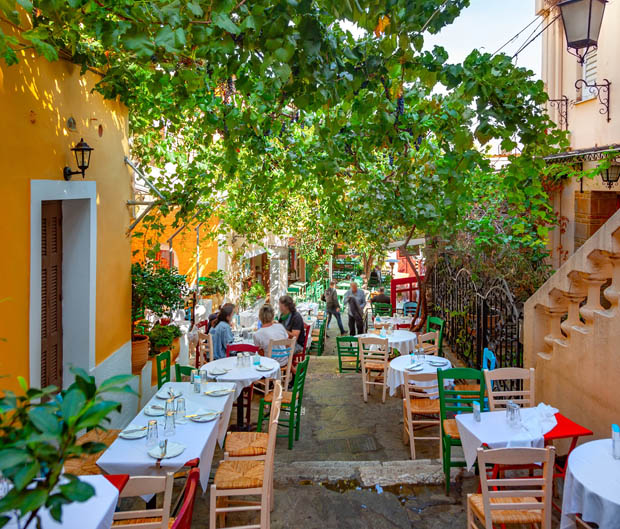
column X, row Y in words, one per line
column 203, row 414
column 219, row 391
column 136, row 430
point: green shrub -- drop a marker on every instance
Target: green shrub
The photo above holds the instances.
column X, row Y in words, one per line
column 162, row 336
column 213, row 284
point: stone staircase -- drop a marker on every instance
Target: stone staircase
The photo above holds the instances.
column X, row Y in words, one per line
column 572, row 333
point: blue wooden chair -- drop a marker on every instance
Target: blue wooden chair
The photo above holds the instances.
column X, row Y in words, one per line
column 409, row 308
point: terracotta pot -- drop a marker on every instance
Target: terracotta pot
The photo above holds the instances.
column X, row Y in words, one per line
column 174, row 349
column 164, row 321
column 140, row 346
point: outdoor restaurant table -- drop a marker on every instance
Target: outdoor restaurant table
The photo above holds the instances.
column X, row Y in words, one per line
column 395, row 375
column 403, row 341
column 393, row 320
column 242, row 377
column 95, row 513
column 130, row 456
column 592, row 486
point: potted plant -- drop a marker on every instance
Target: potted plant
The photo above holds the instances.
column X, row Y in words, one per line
column 38, row 434
column 254, row 293
column 160, row 290
column 214, row 286
column 163, row 338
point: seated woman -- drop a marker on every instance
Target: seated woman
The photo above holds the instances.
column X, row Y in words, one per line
column 269, row 331
column 221, row 331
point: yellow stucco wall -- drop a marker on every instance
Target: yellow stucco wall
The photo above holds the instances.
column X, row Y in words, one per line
column 184, row 245
column 36, row 100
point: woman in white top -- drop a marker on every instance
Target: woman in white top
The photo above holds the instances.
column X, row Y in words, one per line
column 270, row 331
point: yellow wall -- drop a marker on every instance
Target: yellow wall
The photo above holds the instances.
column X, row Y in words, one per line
column 184, row 245
column 36, row 99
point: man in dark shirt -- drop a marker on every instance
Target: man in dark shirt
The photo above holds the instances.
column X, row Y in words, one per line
column 332, row 306
column 381, row 297
column 293, row 321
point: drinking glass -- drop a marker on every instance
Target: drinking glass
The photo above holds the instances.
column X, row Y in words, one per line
column 181, row 409
column 169, row 407
column 204, row 379
column 151, row 433
column 169, row 424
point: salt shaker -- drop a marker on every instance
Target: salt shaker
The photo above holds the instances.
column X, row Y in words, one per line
column 615, row 441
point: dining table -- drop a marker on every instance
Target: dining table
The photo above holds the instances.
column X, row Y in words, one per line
column 198, row 439
column 403, row 341
column 95, row 513
column 425, row 364
column 592, row 486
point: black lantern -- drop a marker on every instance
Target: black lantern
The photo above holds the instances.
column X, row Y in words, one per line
column 82, row 157
column 582, row 24
column 611, row 175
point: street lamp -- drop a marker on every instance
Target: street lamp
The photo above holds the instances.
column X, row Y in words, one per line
column 611, row 175
column 582, row 24
column 82, row 158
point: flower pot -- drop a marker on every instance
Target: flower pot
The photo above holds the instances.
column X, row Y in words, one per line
column 139, row 352
column 174, row 349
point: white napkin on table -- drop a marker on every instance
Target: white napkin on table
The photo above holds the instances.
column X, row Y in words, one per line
column 539, row 420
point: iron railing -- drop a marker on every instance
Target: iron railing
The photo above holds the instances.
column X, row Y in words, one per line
column 477, row 314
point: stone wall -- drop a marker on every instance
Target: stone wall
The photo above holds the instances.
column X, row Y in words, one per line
column 592, row 210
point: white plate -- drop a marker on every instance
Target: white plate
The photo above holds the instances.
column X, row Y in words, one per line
column 173, row 450
column 438, row 363
column 218, row 392
column 217, row 371
column 165, row 395
column 130, row 433
column 263, row 368
column 203, row 417
column 414, row 368
column 149, row 410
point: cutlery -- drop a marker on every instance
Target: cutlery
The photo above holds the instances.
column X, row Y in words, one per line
column 156, row 407
column 163, row 445
column 218, row 391
column 136, row 430
column 194, row 415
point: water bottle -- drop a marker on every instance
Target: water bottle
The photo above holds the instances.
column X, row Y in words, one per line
column 256, row 359
column 476, row 406
column 615, row 441
column 197, row 383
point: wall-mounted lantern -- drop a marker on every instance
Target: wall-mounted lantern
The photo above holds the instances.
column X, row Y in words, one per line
column 611, row 175
column 82, row 157
column 582, row 24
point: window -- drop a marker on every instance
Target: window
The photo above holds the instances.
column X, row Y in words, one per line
column 588, row 73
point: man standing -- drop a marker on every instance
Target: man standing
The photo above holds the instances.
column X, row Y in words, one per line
column 356, row 300
column 332, row 307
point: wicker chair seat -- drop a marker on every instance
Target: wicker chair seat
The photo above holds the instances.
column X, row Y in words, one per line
column 424, row 406
column 241, row 474
column 508, row 516
column 86, row 465
column 287, row 396
column 450, row 428
column 135, row 521
column 374, row 366
column 246, row 444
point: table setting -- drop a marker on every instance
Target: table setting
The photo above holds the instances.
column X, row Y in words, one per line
column 404, row 341
column 241, row 374
column 178, row 424
column 419, row 364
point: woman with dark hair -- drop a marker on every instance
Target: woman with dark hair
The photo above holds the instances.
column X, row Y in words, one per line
column 293, row 321
column 221, row 331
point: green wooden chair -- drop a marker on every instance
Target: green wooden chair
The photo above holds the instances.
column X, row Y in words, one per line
column 182, row 371
column 433, row 323
column 381, row 309
column 164, row 373
column 318, row 346
column 348, row 352
column 451, row 403
column 291, row 402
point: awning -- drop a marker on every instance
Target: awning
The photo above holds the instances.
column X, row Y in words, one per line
column 412, row 242
column 591, row 154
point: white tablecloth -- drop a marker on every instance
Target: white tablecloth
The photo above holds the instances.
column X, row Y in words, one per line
column 96, row 513
column 592, row 486
column 395, row 377
column 404, row 341
column 494, row 431
column 242, row 376
column 130, row 456
column 308, row 307
column 394, row 320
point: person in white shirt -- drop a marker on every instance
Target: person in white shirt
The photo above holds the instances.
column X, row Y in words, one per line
column 270, row 331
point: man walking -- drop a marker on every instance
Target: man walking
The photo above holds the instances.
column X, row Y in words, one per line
column 356, row 301
column 332, row 307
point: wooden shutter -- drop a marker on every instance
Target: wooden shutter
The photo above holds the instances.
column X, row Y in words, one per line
column 51, row 293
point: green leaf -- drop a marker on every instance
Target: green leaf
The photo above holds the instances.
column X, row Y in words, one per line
column 116, row 380
column 45, row 420
column 77, row 490
column 25, row 475
column 222, row 20
column 72, row 403
column 195, row 8
column 11, row 457
column 96, row 415
column 283, row 70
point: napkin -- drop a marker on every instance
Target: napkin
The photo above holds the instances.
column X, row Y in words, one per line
column 539, row 420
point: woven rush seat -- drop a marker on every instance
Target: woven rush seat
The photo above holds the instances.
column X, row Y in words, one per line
column 508, row 516
column 136, row 521
column 424, row 406
column 86, row 465
column 450, row 428
column 375, row 366
column 244, row 444
column 287, row 396
column 239, row 475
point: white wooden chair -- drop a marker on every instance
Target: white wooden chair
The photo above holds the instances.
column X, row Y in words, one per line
column 429, row 343
column 146, row 518
column 239, row 477
column 510, row 383
column 420, row 407
column 275, row 348
column 374, row 355
column 510, row 501
column 206, row 347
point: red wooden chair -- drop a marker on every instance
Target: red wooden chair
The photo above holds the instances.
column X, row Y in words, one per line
column 404, row 326
column 248, row 392
column 183, row 520
column 300, row 357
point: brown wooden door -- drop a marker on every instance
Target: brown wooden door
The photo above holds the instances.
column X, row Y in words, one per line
column 51, row 293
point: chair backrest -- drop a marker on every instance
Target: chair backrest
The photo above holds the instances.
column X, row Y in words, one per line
column 373, row 349
column 183, row 519
column 163, row 368
column 433, row 323
column 279, row 349
column 429, row 338
column 206, row 346
column 409, row 308
column 461, row 401
column 307, row 337
column 241, row 348
column 347, row 345
column 145, row 486
column 510, row 383
column 298, row 385
column 274, row 415
column 534, row 492
column 488, row 359
column 381, row 309
column 403, row 326
column 420, row 385
column 182, row 371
